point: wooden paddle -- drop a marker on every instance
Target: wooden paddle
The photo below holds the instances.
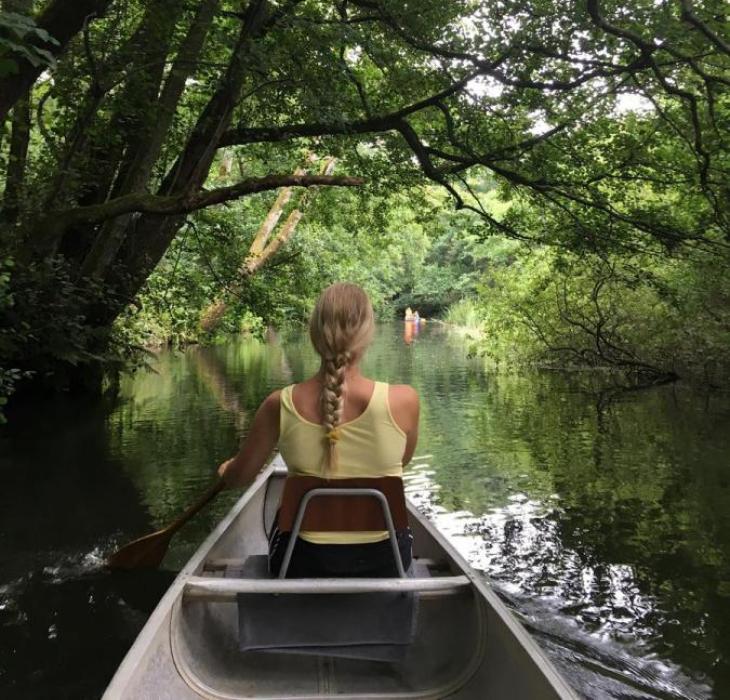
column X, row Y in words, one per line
column 147, row 552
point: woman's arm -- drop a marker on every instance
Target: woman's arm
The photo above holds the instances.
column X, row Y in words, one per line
column 257, row 447
column 405, row 408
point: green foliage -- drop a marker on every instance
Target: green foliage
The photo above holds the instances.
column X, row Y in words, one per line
column 344, row 236
column 518, row 112
column 18, row 40
column 464, row 313
column 647, row 315
column 455, row 250
column 45, row 333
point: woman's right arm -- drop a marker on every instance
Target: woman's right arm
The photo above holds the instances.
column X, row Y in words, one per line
column 256, row 448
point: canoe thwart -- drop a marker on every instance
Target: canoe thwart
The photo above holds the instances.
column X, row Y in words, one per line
column 237, row 562
column 206, row 588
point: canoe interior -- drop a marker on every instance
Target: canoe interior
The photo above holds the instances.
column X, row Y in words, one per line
column 464, row 645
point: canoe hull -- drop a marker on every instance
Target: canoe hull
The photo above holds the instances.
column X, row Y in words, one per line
column 467, row 645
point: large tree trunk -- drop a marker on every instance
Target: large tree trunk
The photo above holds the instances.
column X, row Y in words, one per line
column 79, row 136
column 111, row 235
column 17, row 158
column 272, row 219
column 263, row 248
column 150, row 236
column 62, row 19
column 137, row 112
column 104, row 159
column 19, row 137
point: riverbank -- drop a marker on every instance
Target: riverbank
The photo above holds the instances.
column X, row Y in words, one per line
column 529, row 350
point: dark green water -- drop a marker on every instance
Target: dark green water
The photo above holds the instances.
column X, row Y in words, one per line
column 602, row 519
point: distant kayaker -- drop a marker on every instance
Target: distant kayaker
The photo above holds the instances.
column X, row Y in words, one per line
column 337, row 424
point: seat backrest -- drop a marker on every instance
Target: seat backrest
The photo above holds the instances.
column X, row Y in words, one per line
column 342, row 514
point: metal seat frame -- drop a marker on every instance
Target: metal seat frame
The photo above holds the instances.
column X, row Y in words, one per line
column 226, row 589
column 339, row 492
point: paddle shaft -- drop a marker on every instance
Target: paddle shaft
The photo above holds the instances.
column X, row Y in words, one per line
column 148, row 551
column 196, row 507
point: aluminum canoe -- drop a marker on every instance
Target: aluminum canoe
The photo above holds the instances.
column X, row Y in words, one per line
column 467, row 645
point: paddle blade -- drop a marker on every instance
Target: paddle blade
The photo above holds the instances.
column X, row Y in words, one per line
column 144, row 553
column 147, row 552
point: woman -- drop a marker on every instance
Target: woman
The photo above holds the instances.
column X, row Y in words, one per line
column 337, row 424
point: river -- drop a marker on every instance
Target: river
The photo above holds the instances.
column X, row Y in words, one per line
column 602, row 517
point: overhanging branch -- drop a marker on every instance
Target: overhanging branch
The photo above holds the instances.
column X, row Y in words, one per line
column 185, row 203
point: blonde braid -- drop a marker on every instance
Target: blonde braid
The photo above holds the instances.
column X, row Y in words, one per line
column 333, row 403
column 341, row 328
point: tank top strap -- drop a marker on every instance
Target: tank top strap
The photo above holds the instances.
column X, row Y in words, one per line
column 287, row 403
column 379, row 400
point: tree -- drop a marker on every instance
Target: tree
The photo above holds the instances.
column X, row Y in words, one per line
column 144, row 97
column 264, row 245
column 52, row 30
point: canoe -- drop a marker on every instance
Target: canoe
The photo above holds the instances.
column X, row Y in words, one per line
column 466, row 643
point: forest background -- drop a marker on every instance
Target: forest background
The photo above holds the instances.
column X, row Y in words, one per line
column 553, row 176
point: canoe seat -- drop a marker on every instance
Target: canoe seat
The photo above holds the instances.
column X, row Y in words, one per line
column 371, row 619
column 333, row 505
column 356, row 510
column 377, row 626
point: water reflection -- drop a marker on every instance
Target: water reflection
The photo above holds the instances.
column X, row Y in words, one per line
column 580, row 614
column 411, row 329
column 601, row 517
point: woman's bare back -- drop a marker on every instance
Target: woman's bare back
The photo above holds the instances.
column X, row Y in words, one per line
column 402, row 399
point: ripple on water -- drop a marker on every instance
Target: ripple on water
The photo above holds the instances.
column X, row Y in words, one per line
column 601, row 647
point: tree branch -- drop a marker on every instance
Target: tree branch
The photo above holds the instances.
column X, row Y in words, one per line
column 689, row 17
column 387, row 122
column 185, row 203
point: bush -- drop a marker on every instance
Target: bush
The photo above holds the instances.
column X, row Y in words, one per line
column 47, row 335
column 655, row 319
column 465, row 313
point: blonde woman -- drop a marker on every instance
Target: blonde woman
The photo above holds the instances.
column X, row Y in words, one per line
column 337, row 424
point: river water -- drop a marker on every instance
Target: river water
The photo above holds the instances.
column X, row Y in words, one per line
column 602, row 517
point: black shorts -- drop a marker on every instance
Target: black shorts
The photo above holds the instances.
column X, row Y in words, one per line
column 309, row 560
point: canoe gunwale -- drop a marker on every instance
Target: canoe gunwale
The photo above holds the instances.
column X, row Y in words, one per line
column 484, row 589
column 137, row 652
column 431, row 586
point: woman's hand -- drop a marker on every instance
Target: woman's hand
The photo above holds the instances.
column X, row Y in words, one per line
column 224, row 469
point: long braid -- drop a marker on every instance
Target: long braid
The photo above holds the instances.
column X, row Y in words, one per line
column 341, row 328
column 333, row 403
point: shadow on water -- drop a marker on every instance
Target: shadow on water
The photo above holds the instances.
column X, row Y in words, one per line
column 65, row 628
column 602, row 520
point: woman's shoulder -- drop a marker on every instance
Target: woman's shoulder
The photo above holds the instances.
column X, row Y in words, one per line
column 273, row 401
column 402, row 393
column 403, row 406
column 285, row 392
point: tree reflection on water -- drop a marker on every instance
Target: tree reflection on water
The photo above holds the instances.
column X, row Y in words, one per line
column 603, row 518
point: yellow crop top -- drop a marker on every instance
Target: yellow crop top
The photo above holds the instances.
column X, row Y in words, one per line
column 370, row 445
